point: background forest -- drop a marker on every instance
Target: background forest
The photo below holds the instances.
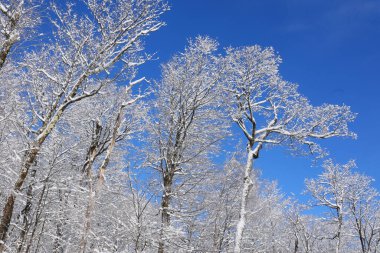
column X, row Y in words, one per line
column 99, row 155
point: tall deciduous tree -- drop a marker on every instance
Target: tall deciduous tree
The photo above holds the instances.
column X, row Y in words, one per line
column 189, row 120
column 270, row 111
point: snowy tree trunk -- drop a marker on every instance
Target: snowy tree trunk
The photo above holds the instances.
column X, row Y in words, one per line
column 30, row 158
column 87, row 223
column 165, row 215
column 87, row 171
column 4, row 52
column 12, row 33
column 58, row 247
column 339, row 233
column 93, row 193
column 26, row 213
column 296, row 245
column 244, row 199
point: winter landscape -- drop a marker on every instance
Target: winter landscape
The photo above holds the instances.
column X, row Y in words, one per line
column 189, row 126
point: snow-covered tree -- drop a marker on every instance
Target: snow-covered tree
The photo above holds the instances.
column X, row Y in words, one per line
column 270, row 111
column 189, row 123
column 353, row 202
column 363, row 204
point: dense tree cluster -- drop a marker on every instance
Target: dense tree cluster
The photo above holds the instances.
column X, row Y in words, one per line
column 95, row 157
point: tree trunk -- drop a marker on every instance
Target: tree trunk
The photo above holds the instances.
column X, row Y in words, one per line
column 87, row 223
column 247, row 186
column 26, row 213
column 10, row 37
column 358, row 224
column 40, row 206
column 339, row 233
column 93, row 193
column 29, row 160
column 296, row 245
column 87, row 171
column 58, row 247
column 165, row 215
column 4, row 52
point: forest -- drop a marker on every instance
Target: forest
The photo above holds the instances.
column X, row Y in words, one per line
column 96, row 156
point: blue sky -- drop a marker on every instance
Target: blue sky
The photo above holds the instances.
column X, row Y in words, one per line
column 330, row 48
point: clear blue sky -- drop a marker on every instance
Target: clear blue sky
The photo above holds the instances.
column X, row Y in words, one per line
column 330, row 48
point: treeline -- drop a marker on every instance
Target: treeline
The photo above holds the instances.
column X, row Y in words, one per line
column 95, row 157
